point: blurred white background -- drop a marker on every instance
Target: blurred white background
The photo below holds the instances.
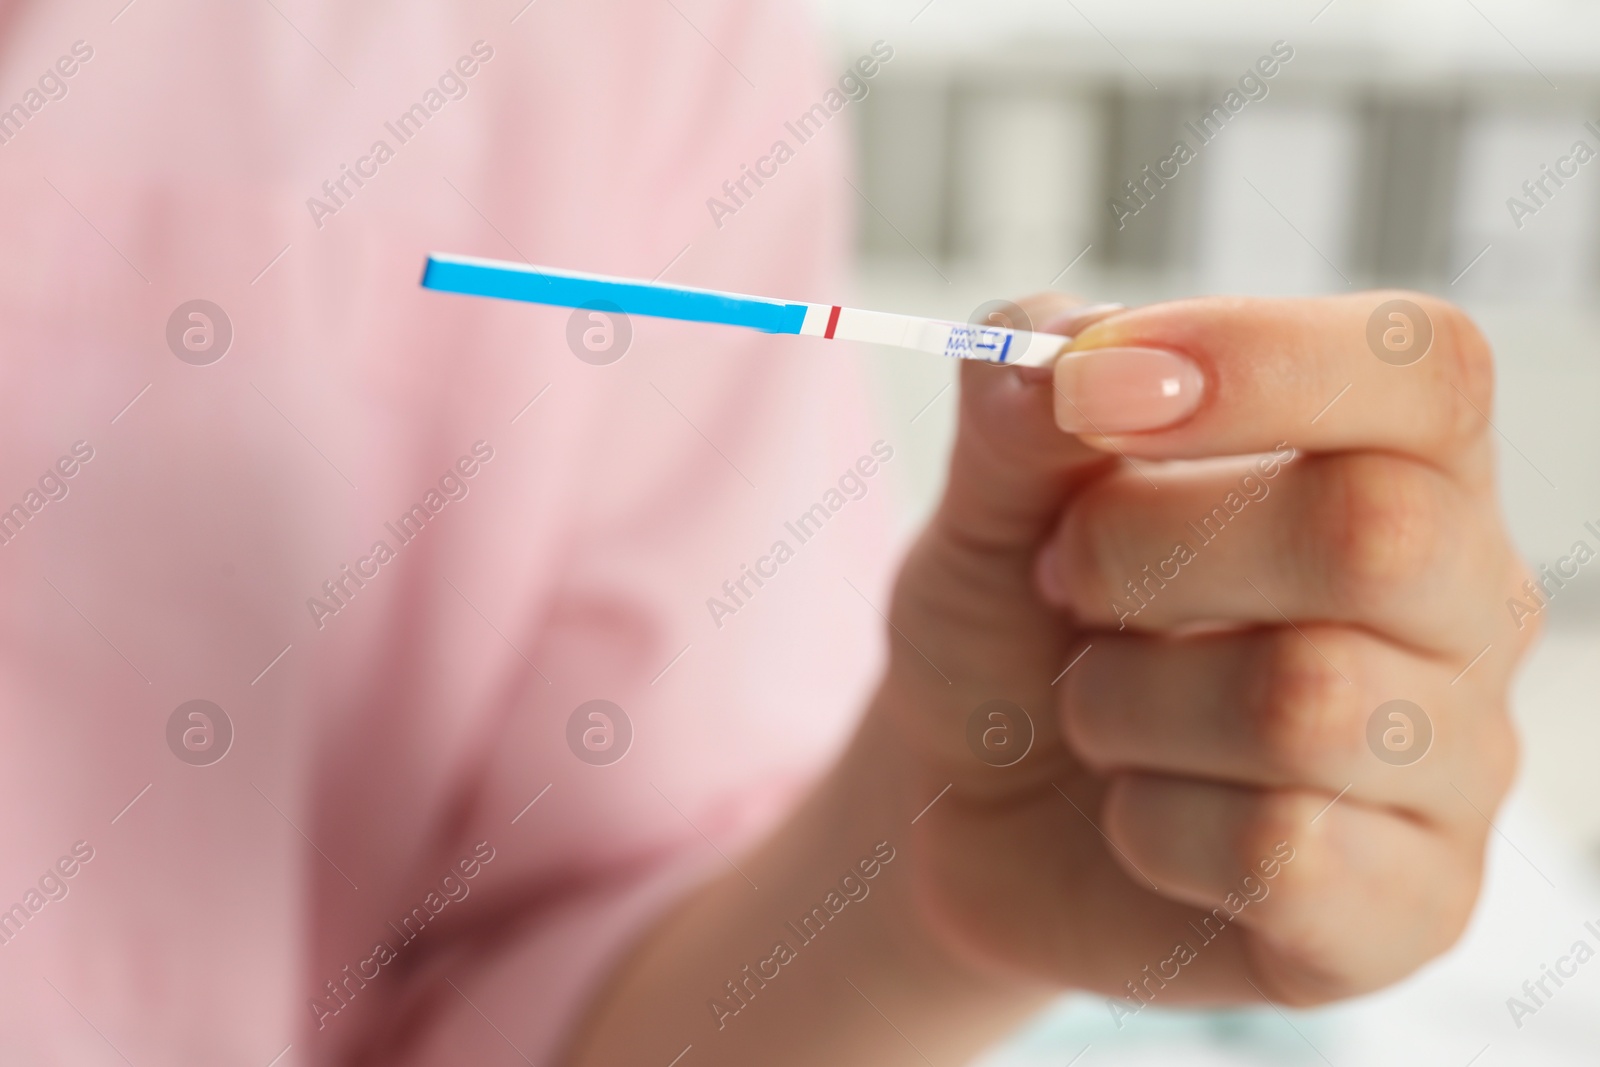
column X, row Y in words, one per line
column 1384, row 154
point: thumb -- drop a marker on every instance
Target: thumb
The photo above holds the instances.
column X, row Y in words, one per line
column 1012, row 467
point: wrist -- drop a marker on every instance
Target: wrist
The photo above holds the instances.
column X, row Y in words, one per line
column 882, row 783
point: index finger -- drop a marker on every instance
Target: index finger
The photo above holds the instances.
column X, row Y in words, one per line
column 1222, row 376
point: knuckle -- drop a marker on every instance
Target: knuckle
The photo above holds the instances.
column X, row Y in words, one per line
column 1443, row 907
column 1500, row 754
column 1530, row 626
column 1304, row 709
column 1381, row 526
column 1458, row 903
column 1272, row 841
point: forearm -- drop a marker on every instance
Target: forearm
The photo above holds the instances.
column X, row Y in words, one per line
column 868, row 985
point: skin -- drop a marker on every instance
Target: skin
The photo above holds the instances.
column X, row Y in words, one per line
column 1216, row 744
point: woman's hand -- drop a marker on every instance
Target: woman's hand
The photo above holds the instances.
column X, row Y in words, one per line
column 1213, row 807
column 1194, row 787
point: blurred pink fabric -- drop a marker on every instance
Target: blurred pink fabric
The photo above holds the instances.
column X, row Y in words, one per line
column 408, row 734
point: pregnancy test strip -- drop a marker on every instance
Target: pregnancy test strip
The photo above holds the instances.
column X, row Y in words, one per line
column 564, row 288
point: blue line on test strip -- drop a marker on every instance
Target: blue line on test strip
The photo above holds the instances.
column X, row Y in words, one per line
column 543, row 285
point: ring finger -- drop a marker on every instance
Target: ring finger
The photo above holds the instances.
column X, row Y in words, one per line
column 1279, row 707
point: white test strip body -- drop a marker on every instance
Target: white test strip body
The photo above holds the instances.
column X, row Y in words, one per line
column 564, row 288
column 959, row 340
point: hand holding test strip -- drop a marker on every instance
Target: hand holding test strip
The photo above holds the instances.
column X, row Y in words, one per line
column 1165, row 692
column 562, row 288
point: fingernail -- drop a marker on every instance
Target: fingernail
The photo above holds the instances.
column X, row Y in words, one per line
column 1125, row 390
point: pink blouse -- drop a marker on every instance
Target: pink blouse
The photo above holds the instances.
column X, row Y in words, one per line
column 306, row 588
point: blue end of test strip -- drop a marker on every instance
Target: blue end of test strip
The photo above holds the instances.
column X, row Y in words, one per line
column 541, row 285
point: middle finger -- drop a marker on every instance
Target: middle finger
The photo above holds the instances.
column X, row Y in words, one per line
column 1363, row 538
